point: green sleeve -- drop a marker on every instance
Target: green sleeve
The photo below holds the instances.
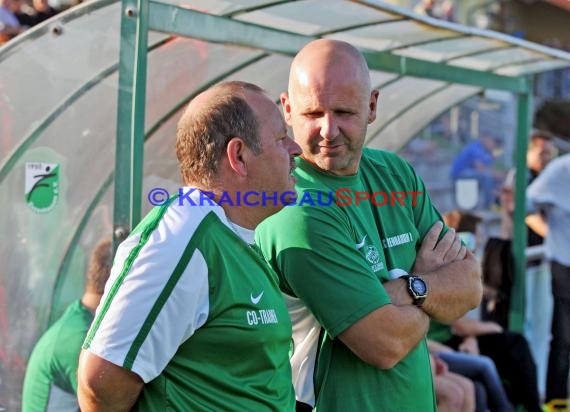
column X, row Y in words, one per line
column 313, row 252
column 66, row 360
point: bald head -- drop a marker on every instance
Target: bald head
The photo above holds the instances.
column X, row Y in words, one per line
column 329, row 105
column 211, row 119
column 324, row 60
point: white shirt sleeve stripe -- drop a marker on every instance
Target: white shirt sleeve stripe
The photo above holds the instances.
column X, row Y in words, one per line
column 140, row 289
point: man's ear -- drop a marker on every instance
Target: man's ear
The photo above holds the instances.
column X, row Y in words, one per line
column 235, row 152
column 373, row 105
column 286, row 107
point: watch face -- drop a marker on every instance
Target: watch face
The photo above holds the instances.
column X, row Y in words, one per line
column 419, row 286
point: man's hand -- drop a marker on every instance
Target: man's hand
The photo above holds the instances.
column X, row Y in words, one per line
column 469, row 345
column 434, row 254
column 431, row 256
column 452, row 273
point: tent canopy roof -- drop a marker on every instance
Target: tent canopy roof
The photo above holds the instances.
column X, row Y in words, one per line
column 423, row 65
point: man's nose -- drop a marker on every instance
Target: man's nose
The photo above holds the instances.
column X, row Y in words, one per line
column 329, row 126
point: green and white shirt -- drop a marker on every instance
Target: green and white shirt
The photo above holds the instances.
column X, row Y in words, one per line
column 50, row 384
column 332, row 260
column 197, row 314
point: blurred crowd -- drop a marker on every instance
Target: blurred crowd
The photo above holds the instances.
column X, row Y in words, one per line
column 16, row 16
column 443, row 10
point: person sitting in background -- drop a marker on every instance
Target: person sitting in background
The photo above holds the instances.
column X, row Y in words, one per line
column 475, row 161
column 453, row 392
column 489, row 392
column 508, row 350
column 50, row 384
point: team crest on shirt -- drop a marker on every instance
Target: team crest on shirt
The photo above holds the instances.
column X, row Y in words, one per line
column 371, row 254
column 373, row 257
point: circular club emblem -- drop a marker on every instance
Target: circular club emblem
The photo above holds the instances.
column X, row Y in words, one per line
column 372, row 254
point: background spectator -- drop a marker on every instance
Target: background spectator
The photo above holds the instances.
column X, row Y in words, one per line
column 9, row 24
column 509, row 350
column 40, row 11
column 551, row 193
column 453, row 392
column 476, row 161
column 50, row 384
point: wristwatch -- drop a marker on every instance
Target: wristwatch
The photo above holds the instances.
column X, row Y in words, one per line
column 417, row 288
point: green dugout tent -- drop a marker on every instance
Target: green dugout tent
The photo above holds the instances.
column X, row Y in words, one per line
column 89, row 102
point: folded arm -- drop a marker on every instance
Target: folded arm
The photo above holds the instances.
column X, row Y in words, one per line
column 454, row 289
column 452, row 274
column 319, row 263
column 387, row 335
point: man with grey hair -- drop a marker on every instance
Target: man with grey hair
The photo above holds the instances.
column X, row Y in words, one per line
column 192, row 317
